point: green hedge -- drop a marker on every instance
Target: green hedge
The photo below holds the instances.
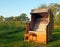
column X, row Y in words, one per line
column 11, row 26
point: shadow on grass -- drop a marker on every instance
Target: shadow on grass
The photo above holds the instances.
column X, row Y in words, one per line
column 56, row 34
column 10, row 32
column 56, row 39
column 18, row 36
column 12, row 37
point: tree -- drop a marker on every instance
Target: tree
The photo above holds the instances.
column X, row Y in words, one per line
column 58, row 19
column 12, row 18
column 43, row 6
column 23, row 17
column 55, row 8
column 56, row 11
column 1, row 18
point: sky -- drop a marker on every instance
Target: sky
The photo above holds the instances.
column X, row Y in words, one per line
column 16, row 7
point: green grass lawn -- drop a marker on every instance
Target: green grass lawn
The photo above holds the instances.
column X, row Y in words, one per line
column 15, row 39
column 56, row 39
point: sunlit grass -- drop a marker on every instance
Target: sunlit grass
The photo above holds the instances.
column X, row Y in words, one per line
column 16, row 39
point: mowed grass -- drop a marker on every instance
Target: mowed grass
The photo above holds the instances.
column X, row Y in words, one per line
column 56, row 39
column 16, row 39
